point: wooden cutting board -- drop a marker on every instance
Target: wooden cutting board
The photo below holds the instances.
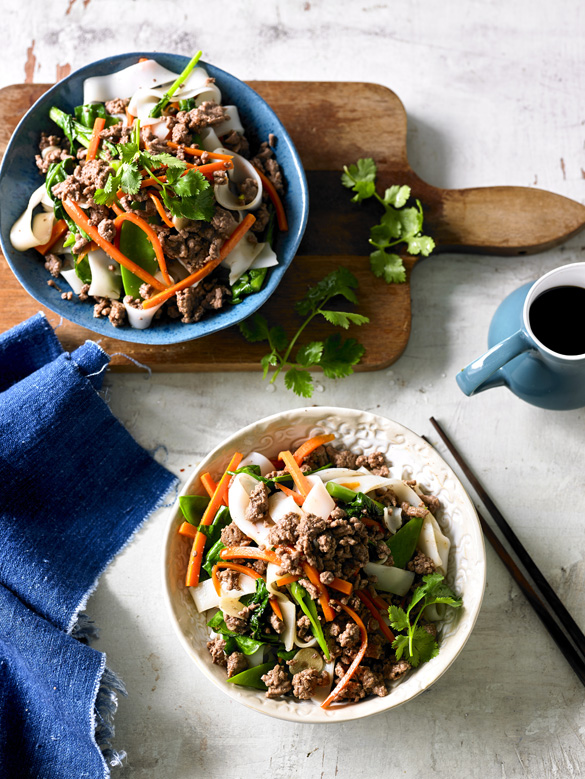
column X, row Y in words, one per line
column 333, row 124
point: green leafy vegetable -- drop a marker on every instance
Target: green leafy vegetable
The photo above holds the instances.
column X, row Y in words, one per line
column 260, row 598
column 193, row 507
column 83, row 269
column 355, row 503
column 308, row 607
column 398, row 225
column 403, row 543
column 77, row 132
column 248, row 284
column 334, row 356
column 166, row 98
column 87, row 114
column 416, row 644
column 243, row 644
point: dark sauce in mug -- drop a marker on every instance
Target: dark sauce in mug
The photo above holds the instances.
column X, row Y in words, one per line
column 557, row 319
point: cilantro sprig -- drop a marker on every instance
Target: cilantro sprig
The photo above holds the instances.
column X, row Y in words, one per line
column 186, row 193
column 398, row 224
column 415, row 643
column 334, row 355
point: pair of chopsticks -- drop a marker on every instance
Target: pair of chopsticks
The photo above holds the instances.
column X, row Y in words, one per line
column 549, row 609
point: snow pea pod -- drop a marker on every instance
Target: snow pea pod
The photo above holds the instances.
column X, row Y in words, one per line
column 403, row 543
column 251, row 677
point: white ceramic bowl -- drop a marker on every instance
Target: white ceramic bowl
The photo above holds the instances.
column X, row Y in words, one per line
column 410, row 457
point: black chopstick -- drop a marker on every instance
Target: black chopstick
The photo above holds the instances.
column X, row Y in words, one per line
column 560, row 617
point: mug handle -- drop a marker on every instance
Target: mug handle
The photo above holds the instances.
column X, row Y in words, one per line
column 482, row 374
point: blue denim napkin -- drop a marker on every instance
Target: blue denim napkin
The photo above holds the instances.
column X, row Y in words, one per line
column 74, row 487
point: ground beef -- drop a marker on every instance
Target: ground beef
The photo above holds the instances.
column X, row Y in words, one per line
column 264, row 160
column 350, row 637
column 235, row 624
column 207, row 114
column 83, row 292
column 303, row 627
column 146, row 291
column 53, row 264
column 414, row 511
column 236, row 663
column 396, row 670
column 421, row 564
column 195, row 302
column 248, row 189
column 151, row 142
column 107, row 230
column 262, row 215
column 276, row 624
column 83, row 182
column 229, row 578
column 117, row 133
column 383, row 553
column 305, row 683
column 290, row 560
column 341, row 458
column 372, row 682
column 326, row 577
column 223, row 222
column 310, row 588
column 317, row 459
column 67, row 296
column 430, row 627
column 180, row 134
column 278, row 682
column 233, row 536
column 432, row 502
column 117, row 315
column 284, row 532
column 216, row 647
column 102, row 307
column 258, row 506
column 374, row 462
column 236, row 143
column 117, row 105
column 44, row 161
column 338, row 544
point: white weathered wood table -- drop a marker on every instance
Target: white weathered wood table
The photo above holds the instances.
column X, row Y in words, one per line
column 494, row 93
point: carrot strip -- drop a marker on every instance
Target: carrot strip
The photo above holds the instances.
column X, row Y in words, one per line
column 380, row 602
column 129, row 118
column 371, row 523
column 365, row 599
column 229, row 244
column 94, row 142
column 250, row 553
column 219, row 496
column 276, row 607
column 187, row 529
column 59, row 230
column 207, row 170
column 296, row 496
column 276, row 201
column 81, row 220
column 288, row 579
column 161, row 211
column 310, row 445
column 234, row 567
column 313, row 577
column 341, row 585
column 128, row 216
column 198, row 152
column 303, row 485
column 208, row 483
column 342, row 684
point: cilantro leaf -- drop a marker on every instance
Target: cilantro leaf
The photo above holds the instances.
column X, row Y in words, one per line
column 411, row 220
column 400, row 646
column 129, row 178
column 338, row 282
column 398, row 618
column 339, row 356
column 421, row 244
column 299, row 381
column 190, row 183
column 277, row 338
column 389, row 229
column 389, row 266
column 310, row 354
column 255, row 329
column 167, row 159
column 396, row 196
column 200, row 207
column 421, row 647
column 364, row 170
column 267, row 361
column 343, row 318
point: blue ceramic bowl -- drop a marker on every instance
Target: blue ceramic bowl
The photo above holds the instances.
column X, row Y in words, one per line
column 19, row 177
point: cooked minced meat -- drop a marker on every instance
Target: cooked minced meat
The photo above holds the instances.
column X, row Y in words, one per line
column 305, row 683
column 421, row 564
column 258, row 506
column 53, row 264
column 264, row 161
column 216, row 647
column 231, row 535
column 277, row 681
column 236, row 663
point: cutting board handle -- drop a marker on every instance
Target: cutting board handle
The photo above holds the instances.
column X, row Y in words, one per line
column 500, row 220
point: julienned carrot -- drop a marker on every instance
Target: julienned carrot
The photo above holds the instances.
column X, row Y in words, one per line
column 129, row 216
column 89, row 247
column 310, row 445
column 371, row 523
column 276, row 201
column 276, row 607
column 94, row 142
column 207, row 170
column 161, row 210
column 219, row 496
column 199, row 152
column 313, row 577
column 234, row 238
column 81, row 220
column 296, row 496
column 303, row 485
column 288, row 579
column 249, row 553
column 129, row 118
column 59, row 230
column 187, row 529
column 365, row 599
column 341, row 585
column 234, row 567
column 209, row 484
column 342, row 684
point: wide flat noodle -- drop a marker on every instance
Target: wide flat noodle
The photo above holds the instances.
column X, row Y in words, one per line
column 241, row 258
column 105, row 283
column 123, row 83
column 242, row 169
column 144, row 98
column 28, row 230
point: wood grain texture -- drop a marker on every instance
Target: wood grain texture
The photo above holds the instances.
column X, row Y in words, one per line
column 329, row 132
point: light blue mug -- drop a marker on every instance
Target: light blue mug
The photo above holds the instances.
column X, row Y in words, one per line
column 517, row 359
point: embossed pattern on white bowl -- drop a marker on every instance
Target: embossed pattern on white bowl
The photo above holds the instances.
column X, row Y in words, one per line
column 410, row 457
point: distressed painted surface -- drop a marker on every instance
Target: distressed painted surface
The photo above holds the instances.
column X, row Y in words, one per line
column 494, row 92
